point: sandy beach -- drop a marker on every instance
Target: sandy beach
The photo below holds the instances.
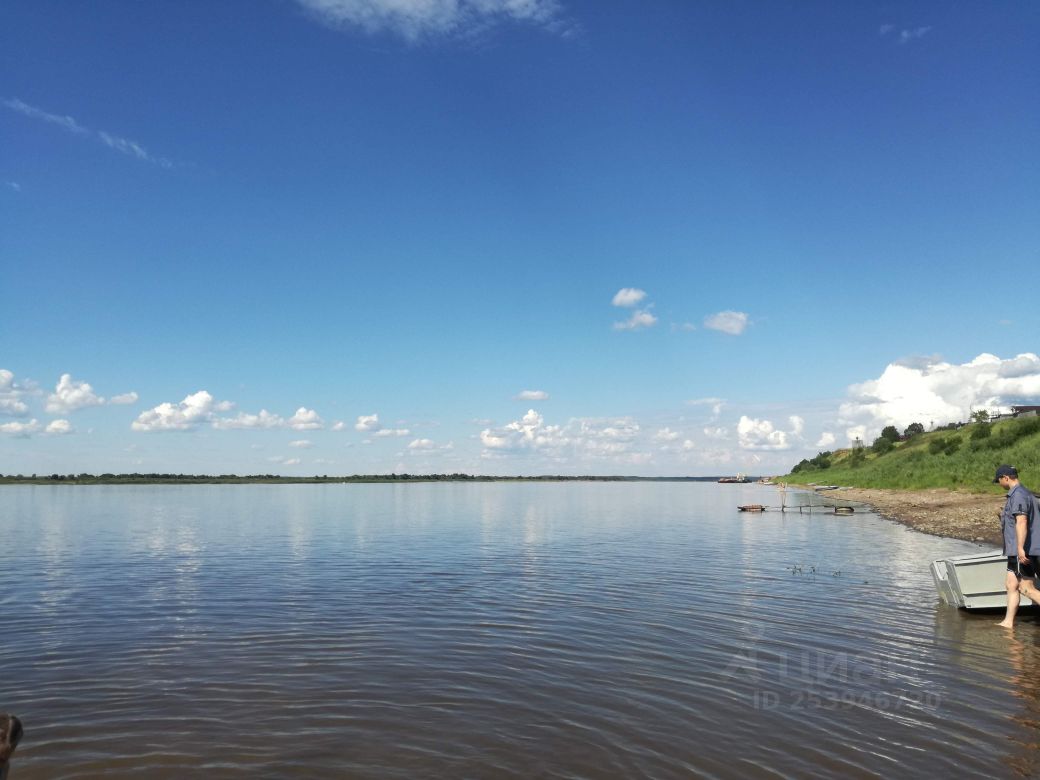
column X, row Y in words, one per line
column 969, row 516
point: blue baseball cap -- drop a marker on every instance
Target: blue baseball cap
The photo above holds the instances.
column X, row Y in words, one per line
column 1006, row 471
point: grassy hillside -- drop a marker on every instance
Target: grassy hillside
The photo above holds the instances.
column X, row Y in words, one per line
column 963, row 458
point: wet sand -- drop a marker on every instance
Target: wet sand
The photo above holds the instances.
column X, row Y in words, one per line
column 973, row 517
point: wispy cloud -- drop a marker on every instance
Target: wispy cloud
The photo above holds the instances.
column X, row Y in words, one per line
column 732, row 322
column 385, row 433
column 13, row 185
column 531, row 395
column 64, row 122
column 414, row 20
column 904, row 35
column 122, row 145
column 716, row 404
column 640, row 319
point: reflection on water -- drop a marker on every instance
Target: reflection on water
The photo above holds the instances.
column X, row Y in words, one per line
column 559, row 630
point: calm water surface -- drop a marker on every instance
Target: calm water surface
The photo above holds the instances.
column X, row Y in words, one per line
column 578, row 630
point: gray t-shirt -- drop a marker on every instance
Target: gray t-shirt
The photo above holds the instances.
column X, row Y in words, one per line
column 1021, row 502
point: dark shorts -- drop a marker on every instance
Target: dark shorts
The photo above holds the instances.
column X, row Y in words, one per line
column 1021, row 570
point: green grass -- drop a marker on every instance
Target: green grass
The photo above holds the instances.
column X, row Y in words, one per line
column 939, row 459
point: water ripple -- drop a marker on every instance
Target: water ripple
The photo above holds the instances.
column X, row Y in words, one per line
column 570, row 631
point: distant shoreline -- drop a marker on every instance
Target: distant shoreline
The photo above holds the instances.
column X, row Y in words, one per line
column 273, row 479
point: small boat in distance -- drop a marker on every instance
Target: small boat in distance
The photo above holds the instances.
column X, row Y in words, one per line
column 751, row 508
column 740, row 478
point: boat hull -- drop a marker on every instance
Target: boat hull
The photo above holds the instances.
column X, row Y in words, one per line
column 973, row 581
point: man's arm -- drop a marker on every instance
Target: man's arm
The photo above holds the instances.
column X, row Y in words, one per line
column 1020, row 534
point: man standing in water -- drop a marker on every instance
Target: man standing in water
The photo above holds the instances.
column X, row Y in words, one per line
column 1021, row 541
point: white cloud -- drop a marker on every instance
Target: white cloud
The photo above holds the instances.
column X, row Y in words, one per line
column 688, row 445
column 243, row 421
column 13, row 407
column 301, row 444
column 666, row 434
column 70, row 395
column 305, row 420
column 531, row 395
column 716, row 404
column 856, row 432
column 639, row 319
column 14, row 185
column 685, row 327
column 417, row 19
column 122, row 145
column 20, row 429
column 628, row 297
column 933, row 391
column 422, row 444
column 384, row 433
column 339, row 425
column 717, row 433
column 755, row 434
column 368, row 423
column 797, row 425
column 123, row 399
column 885, row 29
column 184, row 416
column 581, row 438
column 59, row 427
column 731, row 322
column 529, row 431
column 11, row 403
column 826, row 440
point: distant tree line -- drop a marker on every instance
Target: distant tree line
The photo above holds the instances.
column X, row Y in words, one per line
column 110, row 478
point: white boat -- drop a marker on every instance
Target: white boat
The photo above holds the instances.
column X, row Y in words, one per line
column 973, row 581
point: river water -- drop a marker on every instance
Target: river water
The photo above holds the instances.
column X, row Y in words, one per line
column 572, row 630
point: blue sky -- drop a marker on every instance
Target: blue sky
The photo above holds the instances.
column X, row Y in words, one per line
column 527, row 236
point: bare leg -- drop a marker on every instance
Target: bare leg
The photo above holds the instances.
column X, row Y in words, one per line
column 1027, row 587
column 1013, row 599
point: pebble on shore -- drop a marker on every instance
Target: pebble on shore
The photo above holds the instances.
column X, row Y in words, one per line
column 973, row 517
